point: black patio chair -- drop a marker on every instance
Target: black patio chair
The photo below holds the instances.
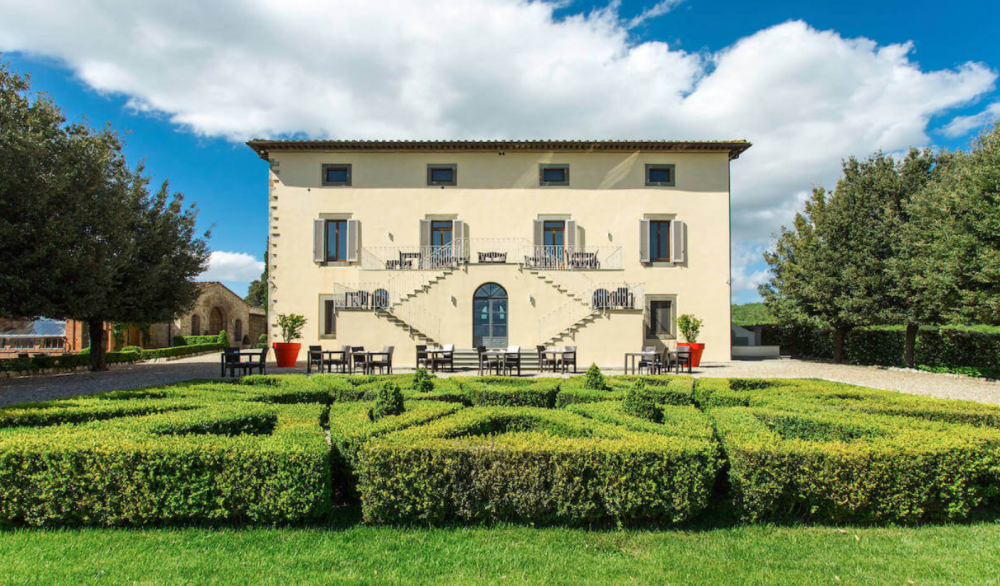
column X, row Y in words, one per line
column 260, row 365
column 489, row 362
column 359, row 359
column 342, row 362
column 568, row 357
column 512, row 360
column 446, row 358
column 545, row 360
column 314, row 356
column 683, row 358
column 649, row 360
column 422, row 356
column 383, row 363
column 231, row 361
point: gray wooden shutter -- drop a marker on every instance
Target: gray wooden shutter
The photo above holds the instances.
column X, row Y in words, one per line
column 353, row 240
column 458, row 239
column 538, row 240
column 678, row 250
column 319, row 240
column 643, row 240
column 571, row 234
column 425, row 234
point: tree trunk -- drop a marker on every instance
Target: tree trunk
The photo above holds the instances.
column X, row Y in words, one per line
column 98, row 342
column 911, row 343
column 838, row 345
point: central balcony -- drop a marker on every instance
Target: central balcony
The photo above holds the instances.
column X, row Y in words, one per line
column 492, row 251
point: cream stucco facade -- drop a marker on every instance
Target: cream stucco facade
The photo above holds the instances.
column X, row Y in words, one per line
column 574, row 261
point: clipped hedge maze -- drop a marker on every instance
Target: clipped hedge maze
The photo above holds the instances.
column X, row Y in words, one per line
column 835, row 452
column 533, row 464
column 290, row 449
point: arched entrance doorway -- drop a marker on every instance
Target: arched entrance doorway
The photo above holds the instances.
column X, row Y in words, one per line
column 215, row 322
column 490, row 316
column 238, row 333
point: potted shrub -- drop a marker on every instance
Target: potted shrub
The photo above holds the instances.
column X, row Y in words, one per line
column 287, row 352
column 690, row 326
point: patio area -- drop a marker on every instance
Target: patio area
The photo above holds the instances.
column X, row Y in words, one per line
column 46, row 387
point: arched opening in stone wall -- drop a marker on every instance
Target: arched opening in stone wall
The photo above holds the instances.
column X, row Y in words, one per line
column 195, row 325
column 216, row 322
column 238, row 332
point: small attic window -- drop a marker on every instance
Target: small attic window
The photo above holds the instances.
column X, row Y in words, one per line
column 660, row 176
column 442, row 174
column 337, row 175
column 551, row 174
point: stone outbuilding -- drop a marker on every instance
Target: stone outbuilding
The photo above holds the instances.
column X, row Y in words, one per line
column 217, row 309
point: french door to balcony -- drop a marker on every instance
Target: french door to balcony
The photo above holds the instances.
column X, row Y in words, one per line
column 441, row 238
column 490, row 316
column 554, row 234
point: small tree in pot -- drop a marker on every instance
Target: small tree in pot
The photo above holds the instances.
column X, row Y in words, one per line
column 690, row 327
column 287, row 352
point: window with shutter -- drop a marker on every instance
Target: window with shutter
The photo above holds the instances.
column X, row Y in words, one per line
column 678, row 231
column 644, row 240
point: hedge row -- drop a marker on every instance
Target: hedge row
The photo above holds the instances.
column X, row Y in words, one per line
column 274, row 449
column 816, row 450
column 940, row 348
column 224, row 461
column 197, row 340
column 152, row 353
column 63, row 361
column 532, row 464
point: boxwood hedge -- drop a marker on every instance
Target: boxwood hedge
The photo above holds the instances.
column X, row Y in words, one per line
column 511, row 392
column 669, row 390
column 533, row 464
column 827, row 451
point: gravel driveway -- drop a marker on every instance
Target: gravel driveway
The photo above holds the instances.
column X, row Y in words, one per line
column 40, row 388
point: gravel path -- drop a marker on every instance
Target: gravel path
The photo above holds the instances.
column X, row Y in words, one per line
column 60, row 386
column 41, row 388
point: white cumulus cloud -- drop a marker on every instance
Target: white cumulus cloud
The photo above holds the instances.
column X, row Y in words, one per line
column 232, row 266
column 504, row 69
column 964, row 124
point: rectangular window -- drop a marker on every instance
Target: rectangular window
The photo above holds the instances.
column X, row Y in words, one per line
column 659, row 318
column 52, row 343
column 337, row 175
column 660, row 176
column 329, row 318
column 554, row 233
column 336, row 240
column 659, row 241
column 442, row 174
column 552, row 174
column 440, row 233
column 23, row 343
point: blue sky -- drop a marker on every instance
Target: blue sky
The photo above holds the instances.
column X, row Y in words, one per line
column 808, row 83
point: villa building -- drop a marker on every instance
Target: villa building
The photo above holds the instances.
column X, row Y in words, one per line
column 594, row 244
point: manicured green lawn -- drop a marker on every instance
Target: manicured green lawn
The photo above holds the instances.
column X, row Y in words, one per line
column 942, row 554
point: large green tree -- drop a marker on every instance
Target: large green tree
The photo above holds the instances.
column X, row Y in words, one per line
column 81, row 236
column 832, row 267
column 953, row 236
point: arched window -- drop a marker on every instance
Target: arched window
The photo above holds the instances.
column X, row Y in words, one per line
column 238, row 332
column 490, row 316
column 195, row 325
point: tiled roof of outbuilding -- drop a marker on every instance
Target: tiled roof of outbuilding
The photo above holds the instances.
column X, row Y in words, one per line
column 263, row 147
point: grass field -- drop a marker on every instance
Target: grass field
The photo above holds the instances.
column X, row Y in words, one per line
column 356, row 554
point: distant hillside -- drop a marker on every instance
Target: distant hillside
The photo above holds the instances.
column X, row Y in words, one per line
column 751, row 314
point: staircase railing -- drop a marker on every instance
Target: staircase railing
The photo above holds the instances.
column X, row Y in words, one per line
column 601, row 297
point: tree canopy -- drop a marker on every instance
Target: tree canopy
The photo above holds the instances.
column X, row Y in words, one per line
column 81, row 236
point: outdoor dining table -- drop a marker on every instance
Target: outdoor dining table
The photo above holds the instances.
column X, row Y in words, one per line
column 631, row 356
column 326, row 354
column 559, row 353
column 369, row 354
column 222, row 357
column 431, row 353
column 499, row 353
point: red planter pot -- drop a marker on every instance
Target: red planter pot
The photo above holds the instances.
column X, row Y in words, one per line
column 696, row 350
column 286, row 353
